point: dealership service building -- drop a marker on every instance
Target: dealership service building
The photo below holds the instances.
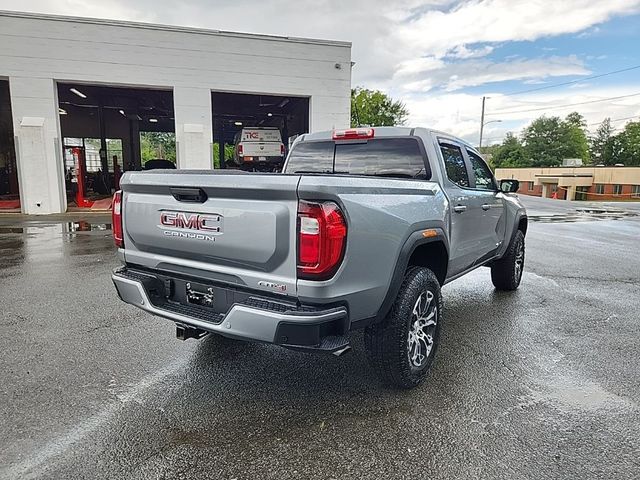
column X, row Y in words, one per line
column 65, row 81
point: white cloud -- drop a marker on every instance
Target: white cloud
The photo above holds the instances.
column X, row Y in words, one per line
column 459, row 113
column 426, row 73
column 438, row 32
column 461, row 51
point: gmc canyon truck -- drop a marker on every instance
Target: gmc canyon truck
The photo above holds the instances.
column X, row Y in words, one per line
column 361, row 230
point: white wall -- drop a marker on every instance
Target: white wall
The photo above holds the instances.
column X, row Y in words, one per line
column 37, row 50
column 39, row 155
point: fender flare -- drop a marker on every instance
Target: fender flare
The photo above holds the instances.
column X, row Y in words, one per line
column 415, row 240
column 520, row 214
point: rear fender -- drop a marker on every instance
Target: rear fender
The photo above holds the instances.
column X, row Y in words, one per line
column 415, row 240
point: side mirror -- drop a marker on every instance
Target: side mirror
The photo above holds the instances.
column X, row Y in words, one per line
column 509, row 186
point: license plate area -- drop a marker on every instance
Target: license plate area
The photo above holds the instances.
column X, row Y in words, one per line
column 200, row 295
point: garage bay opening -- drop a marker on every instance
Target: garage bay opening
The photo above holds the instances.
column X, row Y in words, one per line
column 109, row 130
column 9, row 193
column 255, row 132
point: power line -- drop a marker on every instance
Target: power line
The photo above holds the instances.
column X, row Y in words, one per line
column 581, row 80
column 612, row 120
column 507, row 112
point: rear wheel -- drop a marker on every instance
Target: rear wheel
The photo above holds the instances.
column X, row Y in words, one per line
column 506, row 273
column 403, row 346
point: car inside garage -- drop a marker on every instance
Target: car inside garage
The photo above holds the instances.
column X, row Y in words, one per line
column 108, row 130
column 236, row 116
column 9, row 188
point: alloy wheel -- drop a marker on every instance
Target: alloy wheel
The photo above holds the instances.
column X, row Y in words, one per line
column 424, row 319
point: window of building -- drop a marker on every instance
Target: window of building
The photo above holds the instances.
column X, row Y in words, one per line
column 581, row 193
column 617, row 189
column 455, row 166
column 600, row 188
column 636, row 191
column 529, row 186
column 484, row 177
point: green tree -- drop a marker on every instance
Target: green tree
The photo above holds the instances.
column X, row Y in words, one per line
column 574, row 129
column 626, row 145
column 158, row 145
column 375, row 108
column 549, row 140
column 601, row 147
column 510, row 153
column 228, row 153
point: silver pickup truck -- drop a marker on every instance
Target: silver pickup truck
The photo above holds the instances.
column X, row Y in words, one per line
column 361, row 230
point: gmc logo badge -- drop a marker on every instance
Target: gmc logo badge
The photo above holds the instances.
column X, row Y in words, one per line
column 191, row 221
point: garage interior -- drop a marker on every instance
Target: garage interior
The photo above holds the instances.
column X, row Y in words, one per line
column 9, row 193
column 233, row 111
column 109, row 130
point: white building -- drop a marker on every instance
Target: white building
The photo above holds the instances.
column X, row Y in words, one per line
column 71, row 79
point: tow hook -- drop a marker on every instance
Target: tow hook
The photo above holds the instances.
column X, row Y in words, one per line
column 185, row 333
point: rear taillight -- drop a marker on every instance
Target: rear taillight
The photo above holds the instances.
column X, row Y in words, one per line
column 240, row 150
column 282, row 149
column 116, row 219
column 322, row 237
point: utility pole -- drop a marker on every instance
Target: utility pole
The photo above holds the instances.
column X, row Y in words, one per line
column 481, row 123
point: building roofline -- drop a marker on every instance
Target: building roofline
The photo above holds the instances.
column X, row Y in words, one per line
column 170, row 28
column 568, row 175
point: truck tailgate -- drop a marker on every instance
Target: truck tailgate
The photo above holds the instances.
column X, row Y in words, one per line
column 262, row 149
column 244, row 233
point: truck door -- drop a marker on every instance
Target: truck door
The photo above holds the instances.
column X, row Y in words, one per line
column 487, row 207
column 463, row 237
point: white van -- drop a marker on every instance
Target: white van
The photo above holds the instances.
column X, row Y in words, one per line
column 259, row 148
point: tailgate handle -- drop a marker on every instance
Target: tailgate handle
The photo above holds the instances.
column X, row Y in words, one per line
column 189, row 195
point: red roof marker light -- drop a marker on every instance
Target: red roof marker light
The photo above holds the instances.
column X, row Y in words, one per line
column 353, row 134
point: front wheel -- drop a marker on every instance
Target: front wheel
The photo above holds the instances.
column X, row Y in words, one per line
column 403, row 346
column 506, row 273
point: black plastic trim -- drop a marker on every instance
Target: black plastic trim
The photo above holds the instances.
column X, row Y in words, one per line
column 189, row 195
column 254, row 299
column 415, row 240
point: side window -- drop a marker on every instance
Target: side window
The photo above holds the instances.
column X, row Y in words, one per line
column 454, row 163
column 484, row 177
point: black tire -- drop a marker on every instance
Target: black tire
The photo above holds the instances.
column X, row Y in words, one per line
column 506, row 273
column 389, row 344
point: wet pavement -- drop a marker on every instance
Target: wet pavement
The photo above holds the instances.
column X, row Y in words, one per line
column 540, row 383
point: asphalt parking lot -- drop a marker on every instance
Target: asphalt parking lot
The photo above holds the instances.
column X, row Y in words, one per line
column 540, row 383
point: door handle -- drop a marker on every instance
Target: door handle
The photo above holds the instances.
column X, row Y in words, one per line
column 460, row 208
column 486, row 206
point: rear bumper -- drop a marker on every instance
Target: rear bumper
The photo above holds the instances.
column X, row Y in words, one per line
column 255, row 319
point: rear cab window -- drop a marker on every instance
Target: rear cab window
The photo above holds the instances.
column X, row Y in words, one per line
column 400, row 157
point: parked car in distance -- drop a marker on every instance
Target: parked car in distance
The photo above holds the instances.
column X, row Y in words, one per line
column 360, row 231
column 259, row 149
column 159, row 163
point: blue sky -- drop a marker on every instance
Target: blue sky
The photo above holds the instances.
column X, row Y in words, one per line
column 439, row 56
